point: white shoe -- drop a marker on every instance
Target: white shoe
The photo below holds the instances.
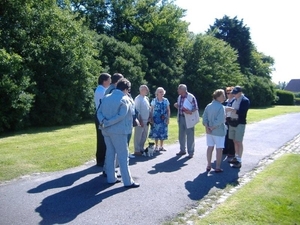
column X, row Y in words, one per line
column 131, row 156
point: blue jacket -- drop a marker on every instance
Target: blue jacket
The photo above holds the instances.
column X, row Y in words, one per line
column 243, row 109
column 214, row 116
column 115, row 113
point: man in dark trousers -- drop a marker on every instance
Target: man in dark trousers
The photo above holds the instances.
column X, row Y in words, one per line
column 104, row 81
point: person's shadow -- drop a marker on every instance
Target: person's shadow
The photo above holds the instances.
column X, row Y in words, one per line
column 170, row 165
column 65, row 206
column 66, row 180
column 206, row 181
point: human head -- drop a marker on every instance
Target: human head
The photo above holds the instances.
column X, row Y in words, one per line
column 124, row 85
column 159, row 91
column 228, row 91
column 116, row 77
column 219, row 95
column 182, row 89
column 237, row 91
column 104, row 79
column 144, row 90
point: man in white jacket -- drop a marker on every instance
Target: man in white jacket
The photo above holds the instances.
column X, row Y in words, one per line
column 186, row 134
column 142, row 106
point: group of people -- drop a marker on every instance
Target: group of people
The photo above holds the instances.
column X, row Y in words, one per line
column 117, row 113
column 225, row 123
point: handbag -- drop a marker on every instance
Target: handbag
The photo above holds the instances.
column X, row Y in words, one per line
column 231, row 122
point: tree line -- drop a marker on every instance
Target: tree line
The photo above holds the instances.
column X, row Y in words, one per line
column 52, row 52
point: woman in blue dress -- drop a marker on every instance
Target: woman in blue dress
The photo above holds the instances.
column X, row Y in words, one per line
column 160, row 116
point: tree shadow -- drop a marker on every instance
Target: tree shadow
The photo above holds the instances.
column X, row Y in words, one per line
column 206, row 181
column 65, row 206
column 170, row 165
column 66, row 180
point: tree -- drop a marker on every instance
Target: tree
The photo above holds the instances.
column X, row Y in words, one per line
column 237, row 35
column 211, row 64
column 120, row 57
column 95, row 13
column 60, row 54
column 161, row 31
column 261, row 65
column 16, row 99
column 259, row 90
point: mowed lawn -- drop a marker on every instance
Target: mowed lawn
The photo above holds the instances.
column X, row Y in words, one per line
column 58, row 148
column 272, row 197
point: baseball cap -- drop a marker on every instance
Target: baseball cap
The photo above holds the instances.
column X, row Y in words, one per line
column 236, row 90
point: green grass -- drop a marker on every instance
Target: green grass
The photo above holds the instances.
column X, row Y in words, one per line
column 272, row 197
column 58, row 148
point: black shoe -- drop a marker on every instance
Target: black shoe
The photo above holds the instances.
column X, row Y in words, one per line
column 237, row 165
column 134, row 185
column 233, row 161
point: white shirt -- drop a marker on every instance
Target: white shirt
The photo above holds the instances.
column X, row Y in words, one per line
column 99, row 94
column 142, row 105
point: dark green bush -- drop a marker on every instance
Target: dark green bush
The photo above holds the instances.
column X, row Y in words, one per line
column 285, row 97
column 260, row 91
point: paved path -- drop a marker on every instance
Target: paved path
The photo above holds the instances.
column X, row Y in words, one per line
column 169, row 184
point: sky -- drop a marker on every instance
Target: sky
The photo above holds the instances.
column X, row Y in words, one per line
column 273, row 26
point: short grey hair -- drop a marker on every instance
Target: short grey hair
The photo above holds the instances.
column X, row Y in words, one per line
column 143, row 86
column 160, row 89
column 182, row 87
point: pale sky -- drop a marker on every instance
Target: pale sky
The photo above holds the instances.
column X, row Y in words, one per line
column 274, row 27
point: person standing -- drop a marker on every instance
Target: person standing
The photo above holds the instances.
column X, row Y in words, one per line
column 229, row 145
column 142, row 107
column 214, row 121
column 186, row 135
column 115, row 118
column 237, row 124
column 160, row 117
column 103, row 82
column 114, row 79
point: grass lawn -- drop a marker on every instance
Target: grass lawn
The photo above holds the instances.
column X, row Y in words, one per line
column 272, row 197
column 58, row 148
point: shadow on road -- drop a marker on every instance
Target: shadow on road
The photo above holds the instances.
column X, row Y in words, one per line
column 207, row 181
column 66, row 180
column 65, row 206
column 170, row 165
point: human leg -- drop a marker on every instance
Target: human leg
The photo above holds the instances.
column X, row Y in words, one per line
column 209, row 156
column 120, row 144
column 137, row 138
column 144, row 136
column 100, row 146
column 190, row 137
column 219, row 141
column 110, row 160
column 182, row 133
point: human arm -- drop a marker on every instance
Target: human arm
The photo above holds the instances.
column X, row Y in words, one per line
column 123, row 109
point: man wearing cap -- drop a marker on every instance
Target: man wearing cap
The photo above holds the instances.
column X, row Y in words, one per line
column 238, row 114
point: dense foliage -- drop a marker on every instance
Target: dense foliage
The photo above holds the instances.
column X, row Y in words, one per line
column 52, row 51
column 285, row 97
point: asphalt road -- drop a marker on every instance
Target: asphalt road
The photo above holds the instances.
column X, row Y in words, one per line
column 169, row 184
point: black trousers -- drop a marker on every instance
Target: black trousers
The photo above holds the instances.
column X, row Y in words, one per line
column 100, row 145
column 229, row 145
